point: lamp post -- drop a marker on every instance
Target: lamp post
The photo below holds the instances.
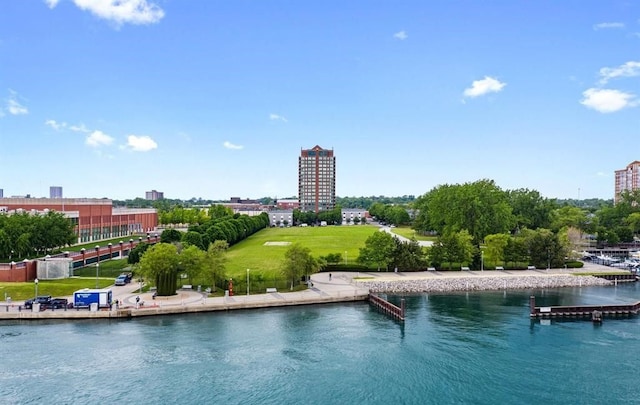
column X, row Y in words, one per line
column 84, row 261
column 247, row 281
column 97, row 263
column 482, row 260
column 346, row 258
column 121, row 243
column 36, row 284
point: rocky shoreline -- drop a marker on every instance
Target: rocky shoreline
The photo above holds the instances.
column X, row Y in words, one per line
column 480, row 283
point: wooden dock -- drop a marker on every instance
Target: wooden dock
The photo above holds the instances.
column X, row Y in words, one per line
column 582, row 311
column 387, row 307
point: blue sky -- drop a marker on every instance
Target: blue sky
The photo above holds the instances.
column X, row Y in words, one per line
column 213, row 99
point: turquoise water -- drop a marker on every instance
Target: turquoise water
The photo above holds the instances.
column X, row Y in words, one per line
column 478, row 348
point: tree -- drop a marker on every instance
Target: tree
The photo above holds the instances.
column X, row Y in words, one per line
column 192, row 238
column 495, row 246
column 170, row 236
column 481, row 208
column 407, row 256
column 378, row 250
column 298, row 262
column 137, row 252
column 530, row 209
column 192, row 261
column 160, row 263
column 216, row 261
column 568, row 216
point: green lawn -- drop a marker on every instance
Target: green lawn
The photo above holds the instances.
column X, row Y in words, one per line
column 410, row 233
column 253, row 254
column 55, row 288
column 108, row 268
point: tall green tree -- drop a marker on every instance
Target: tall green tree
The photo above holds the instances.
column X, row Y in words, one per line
column 408, row 256
column 298, row 262
column 192, row 261
column 481, row 208
column 494, row 247
column 216, row 262
column 377, row 250
column 160, row 263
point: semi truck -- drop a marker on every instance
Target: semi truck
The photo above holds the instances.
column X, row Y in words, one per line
column 85, row 297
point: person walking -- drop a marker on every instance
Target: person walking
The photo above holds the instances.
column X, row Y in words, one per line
column 329, row 276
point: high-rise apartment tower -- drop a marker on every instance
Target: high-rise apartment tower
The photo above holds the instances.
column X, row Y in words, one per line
column 627, row 179
column 317, row 179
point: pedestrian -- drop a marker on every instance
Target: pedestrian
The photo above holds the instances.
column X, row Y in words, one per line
column 329, row 276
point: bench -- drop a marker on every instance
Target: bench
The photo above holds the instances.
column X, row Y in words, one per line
column 187, row 287
column 531, row 267
column 464, row 268
column 272, row 290
column 431, row 269
column 499, row 268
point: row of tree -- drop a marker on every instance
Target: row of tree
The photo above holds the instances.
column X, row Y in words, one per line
column 22, row 235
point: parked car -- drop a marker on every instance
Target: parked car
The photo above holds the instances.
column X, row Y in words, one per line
column 121, row 280
column 127, row 276
column 40, row 299
column 57, row 303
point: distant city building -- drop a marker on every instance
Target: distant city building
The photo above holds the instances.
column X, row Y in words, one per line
column 352, row 216
column 1, row 193
column 288, row 204
column 55, row 192
column 627, row 179
column 93, row 218
column 317, row 179
column 281, row 218
column 154, row 195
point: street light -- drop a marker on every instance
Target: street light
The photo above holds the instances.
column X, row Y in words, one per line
column 36, row 283
column 482, row 260
column 97, row 263
column 247, row 281
column 346, row 258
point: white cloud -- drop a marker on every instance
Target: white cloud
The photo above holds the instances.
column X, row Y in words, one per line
column 229, row 145
column 79, row 128
column 484, row 86
column 141, row 143
column 401, row 35
column 607, row 25
column 276, row 117
column 56, row 125
column 607, row 101
column 629, row 69
column 51, row 3
column 123, row 11
column 13, row 105
column 98, row 138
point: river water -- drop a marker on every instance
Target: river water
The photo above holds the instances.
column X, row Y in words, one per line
column 478, row 348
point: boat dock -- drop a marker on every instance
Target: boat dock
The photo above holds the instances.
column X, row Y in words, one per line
column 582, row 311
column 394, row 311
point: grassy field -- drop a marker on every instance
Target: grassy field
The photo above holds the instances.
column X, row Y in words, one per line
column 262, row 259
column 108, row 268
column 410, row 233
column 55, row 288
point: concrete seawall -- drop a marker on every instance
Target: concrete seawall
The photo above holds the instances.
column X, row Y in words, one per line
column 197, row 305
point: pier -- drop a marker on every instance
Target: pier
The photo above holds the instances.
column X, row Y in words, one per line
column 387, row 307
column 582, row 311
